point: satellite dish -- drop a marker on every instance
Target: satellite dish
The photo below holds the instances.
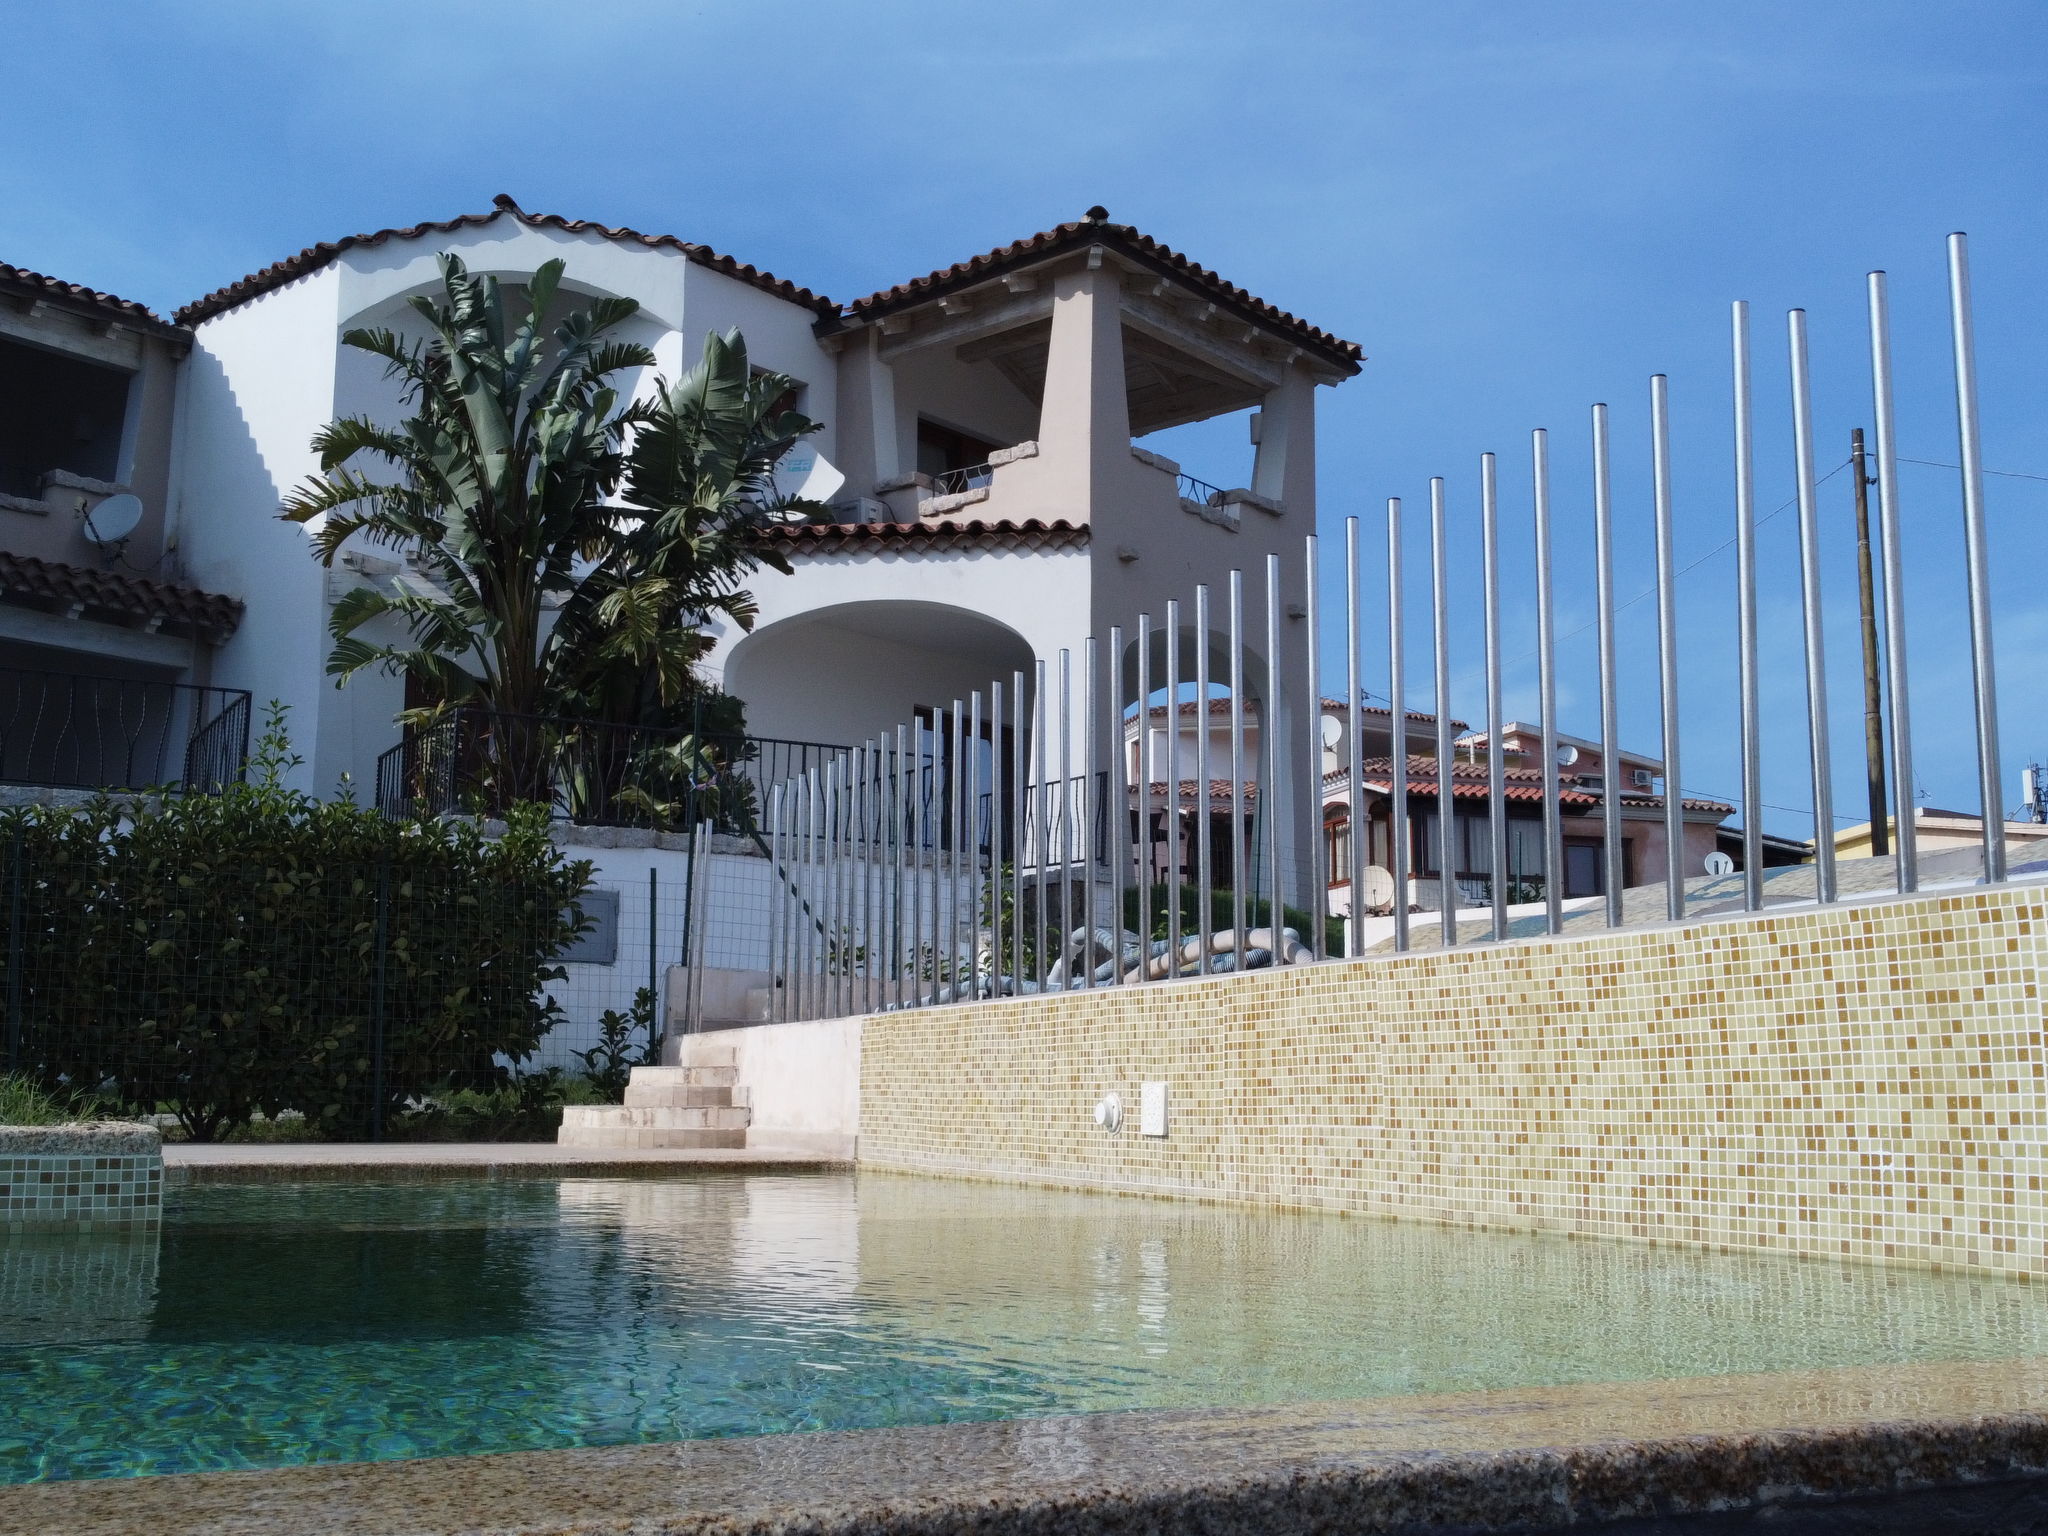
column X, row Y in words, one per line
column 113, row 520
column 1333, row 732
column 1719, row 863
column 1379, row 887
column 1567, row 755
column 806, row 474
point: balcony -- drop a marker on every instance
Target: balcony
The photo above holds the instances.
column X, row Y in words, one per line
column 481, row 762
column 62, row 731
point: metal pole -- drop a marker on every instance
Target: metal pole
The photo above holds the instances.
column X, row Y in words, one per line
column 14, row 949
column 1873, row 685
column 1091, row 759
column 1317, row 897
column 693, row 955
column 1745, row 617
column 1173, row 787
column 1020, row 822
column 1906, row 833
column 1496, row 766
column 1398, row 839
column 1809, row 604
column 1354, row 757
column 1270, row 800
column 871, row 762
column 1066, row 813
column 996, row 885
column 1118, row 815
column 798, row 810
column 1977, row 549
column 1205, row 768
column 654, row 1018
column 836, row 932
column 1240, row 868
column 1144, row 844
column 1613, row 872
column 970, row 777
column 934, row 797
column 778, row 905
column 899, row 866
column 1446, row 801
column 1667, row 647
column 957, row 941
column 1040, row 839
column 1546, row 689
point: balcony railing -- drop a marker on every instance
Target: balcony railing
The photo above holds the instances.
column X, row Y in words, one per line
column 969, row 477
column 63, row 731
column 1200, row 492
column 482, row 762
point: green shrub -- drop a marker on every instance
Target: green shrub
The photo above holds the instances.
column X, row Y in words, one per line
column 24, row 1101
column 242, row 954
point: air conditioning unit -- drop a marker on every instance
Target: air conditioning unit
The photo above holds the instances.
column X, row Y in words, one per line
column 1645, row 778
column 861, row 509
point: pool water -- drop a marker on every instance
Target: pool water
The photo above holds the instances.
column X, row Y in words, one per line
column 275, row 1324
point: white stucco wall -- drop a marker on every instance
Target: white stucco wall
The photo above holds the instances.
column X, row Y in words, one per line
column 803, row 1081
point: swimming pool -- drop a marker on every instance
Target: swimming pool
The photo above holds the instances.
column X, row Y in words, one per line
column 277, row 1324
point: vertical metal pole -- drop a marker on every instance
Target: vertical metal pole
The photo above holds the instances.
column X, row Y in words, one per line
column 1316, row 900
column 956, row 893
column 1810, row 611
column 1117, row 818
column 899, row 873
column 1091, row 758
column 800, row 879
column 1354, row 759
column 1041, row 819
column 1745, row 618
column 835, row 870
column 1546, row 689
column 1446, row 800
column 1173, row 787
column 1398, row 840
column 693, row 954
column 1066, row 812
column 1612, row 869
column 1239, row 864
column 1270, row 798
column 778, row 905
column 17, row 855
column 997, row 788
column 1906, row 842
column 1873, row 685
column 1205, row 768
column 970, row 775
column 1667, row 647
column 864, row 854
column 654, row 1016
column 1496, row 766
column 933, row 794
column 1977, row 551
column 1144, row 854
column 1020, row 822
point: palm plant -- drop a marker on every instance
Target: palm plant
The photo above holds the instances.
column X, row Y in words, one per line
column 574, row 543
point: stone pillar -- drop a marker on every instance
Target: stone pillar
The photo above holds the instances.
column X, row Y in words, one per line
column 1285, row 468
column 1084, row 427
column 879, row 382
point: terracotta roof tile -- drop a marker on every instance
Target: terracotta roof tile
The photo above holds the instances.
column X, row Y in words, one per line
column 1131, row 243
column 835, row 538
column 314, row 257
column 1339, row 705
column 27, row 580
column 22, row 280
column 1219, row 791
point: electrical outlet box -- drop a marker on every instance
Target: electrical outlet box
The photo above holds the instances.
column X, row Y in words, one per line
column 1152, row 1109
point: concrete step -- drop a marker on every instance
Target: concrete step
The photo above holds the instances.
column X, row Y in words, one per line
column 621, row 1117
column 651, row 1140
column 663, row 1096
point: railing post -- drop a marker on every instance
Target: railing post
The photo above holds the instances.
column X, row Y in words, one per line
column 377, row 1019
column 16, row 853
column 656, row 1018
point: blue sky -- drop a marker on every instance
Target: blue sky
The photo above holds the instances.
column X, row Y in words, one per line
column 1518, row 209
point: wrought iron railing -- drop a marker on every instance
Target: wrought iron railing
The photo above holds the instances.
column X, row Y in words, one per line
column 1200, row 492
column 482, row 762
column 64, row 731
column 970, row 477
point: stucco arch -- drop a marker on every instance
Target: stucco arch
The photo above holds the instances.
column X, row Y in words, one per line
column 852, row 671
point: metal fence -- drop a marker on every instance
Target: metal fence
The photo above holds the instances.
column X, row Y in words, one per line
column 481, row 761
column 67, row 731
column 886, row 900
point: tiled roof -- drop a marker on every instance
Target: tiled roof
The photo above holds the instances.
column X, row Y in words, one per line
column 1340, row 706
column 44, row 583
column 836, row 538
column 1140, row 248
column 1216, row 707
column 1219, row 791
column 1469, row 781
column 314, row 257
column 1690, row 803
column 21, row 280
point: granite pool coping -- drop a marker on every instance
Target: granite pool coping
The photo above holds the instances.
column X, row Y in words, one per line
column 406, row 1162
column 81, row 1138
column 1927, row 1448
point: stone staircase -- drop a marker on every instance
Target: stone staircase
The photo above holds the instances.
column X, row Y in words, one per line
column 697, row 1104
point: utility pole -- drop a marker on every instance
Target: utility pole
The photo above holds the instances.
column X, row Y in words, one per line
column 1873, row 689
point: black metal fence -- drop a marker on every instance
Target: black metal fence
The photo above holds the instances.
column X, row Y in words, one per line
column 74, row 732
column 482, row 761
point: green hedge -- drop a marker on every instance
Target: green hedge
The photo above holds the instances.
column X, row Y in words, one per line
column 226, row 956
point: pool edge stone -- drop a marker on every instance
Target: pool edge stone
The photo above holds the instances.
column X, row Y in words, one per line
column 87, row 1176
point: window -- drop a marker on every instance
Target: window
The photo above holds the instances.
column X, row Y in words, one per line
column 940, row 449
column 1337, row 848
column 57, row 412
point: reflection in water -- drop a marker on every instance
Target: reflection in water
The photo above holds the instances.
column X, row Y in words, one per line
column 335, row 1322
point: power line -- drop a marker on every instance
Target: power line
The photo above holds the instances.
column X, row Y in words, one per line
column 2010, row 474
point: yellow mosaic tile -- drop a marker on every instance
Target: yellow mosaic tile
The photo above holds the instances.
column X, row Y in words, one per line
column 1861, row 1081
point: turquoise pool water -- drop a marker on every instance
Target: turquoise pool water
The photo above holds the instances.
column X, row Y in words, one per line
column 276, row 1324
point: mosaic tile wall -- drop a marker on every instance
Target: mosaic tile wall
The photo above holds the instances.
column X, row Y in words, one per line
column 1865, row 1081
column 85, row 1178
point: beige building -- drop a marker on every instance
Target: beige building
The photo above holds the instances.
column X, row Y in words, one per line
column 1936, row 831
